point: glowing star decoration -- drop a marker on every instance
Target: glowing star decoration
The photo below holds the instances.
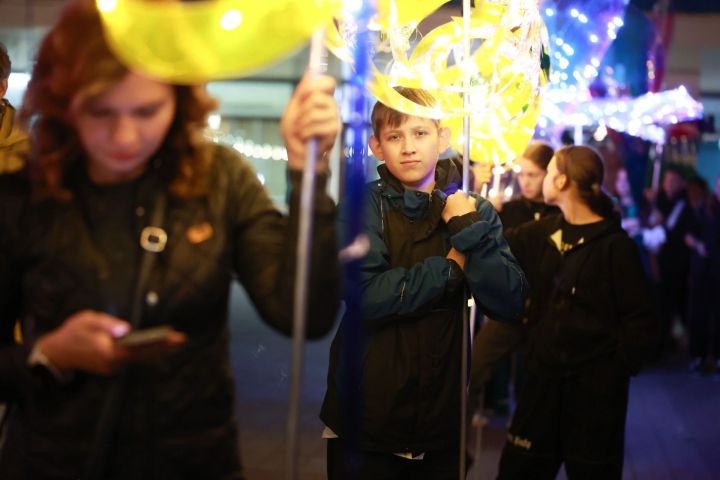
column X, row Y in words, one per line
column 580, row 32
column 193, row 42
column 507, row 69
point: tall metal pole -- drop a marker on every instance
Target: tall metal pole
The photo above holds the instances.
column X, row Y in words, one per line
column 316, row 65
column 465, row 185
column 353, row 336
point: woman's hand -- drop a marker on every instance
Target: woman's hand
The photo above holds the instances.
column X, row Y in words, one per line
column 311, row 113
column 87, row 341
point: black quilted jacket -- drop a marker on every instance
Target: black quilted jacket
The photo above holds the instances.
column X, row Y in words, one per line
column 177, row 418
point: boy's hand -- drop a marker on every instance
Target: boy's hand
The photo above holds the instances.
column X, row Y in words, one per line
column 311, row 113
column 457, row 256
column 459, row 203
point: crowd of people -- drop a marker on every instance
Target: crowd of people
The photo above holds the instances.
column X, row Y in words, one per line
column 677, row 230
column 122, row 226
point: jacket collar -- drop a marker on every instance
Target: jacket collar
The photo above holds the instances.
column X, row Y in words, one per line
column 413, row 202
column 554, row 223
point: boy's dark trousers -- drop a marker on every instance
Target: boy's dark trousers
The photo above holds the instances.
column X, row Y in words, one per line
column 578, row 421
column 345, row 463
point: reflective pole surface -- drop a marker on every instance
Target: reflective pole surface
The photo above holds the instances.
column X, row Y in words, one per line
column 352, row 334
column 465, row 185
column 317, row 64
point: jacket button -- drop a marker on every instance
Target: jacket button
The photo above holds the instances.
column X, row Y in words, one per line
column 151, row 298
column 140, row 211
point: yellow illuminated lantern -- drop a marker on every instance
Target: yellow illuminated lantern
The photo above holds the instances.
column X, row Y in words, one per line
column 192, row 42
column 507, row 70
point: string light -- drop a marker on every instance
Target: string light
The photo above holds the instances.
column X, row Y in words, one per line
column 643, row 116
column 581, row 41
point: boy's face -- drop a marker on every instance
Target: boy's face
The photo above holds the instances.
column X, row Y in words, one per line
column 410, row 151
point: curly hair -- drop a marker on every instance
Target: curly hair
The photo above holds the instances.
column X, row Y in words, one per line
column 74, row 64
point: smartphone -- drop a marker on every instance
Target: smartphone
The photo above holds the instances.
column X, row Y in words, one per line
column 145, row 336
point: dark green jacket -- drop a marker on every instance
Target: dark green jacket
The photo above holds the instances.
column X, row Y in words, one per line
column 177, row 420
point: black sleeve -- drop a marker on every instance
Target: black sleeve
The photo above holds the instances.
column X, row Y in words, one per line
column 14, row 373
column 640, row 328
column 264, row 251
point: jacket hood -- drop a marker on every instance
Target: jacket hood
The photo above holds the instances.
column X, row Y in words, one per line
column 414, row 203
column 447, row 178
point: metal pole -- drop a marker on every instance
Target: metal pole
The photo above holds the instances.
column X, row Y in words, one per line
column 353, row 334
column 465, row 182
column 302, row 273
column 578, row 135
column 657, row 166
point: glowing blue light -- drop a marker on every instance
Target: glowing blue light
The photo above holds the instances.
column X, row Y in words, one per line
column 612, row 34
column 574, row 13
column 594, row 38
column 618, row 21
column 582, row 18
column 568, row 49
column 549, row 12
column 559, row 41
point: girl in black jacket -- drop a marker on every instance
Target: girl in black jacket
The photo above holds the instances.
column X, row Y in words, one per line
column 592, row 324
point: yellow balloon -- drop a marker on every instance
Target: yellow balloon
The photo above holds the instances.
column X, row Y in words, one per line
column 193, row 42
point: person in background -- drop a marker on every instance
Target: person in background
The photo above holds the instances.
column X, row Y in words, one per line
column 713, row 250
column 14, row 143
column 497, row 340
column 127, row 218
column 592, row 325
column 626, row 205
column 673, row 258
column 428, row 241
column 634, row 218
column 704, row 334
